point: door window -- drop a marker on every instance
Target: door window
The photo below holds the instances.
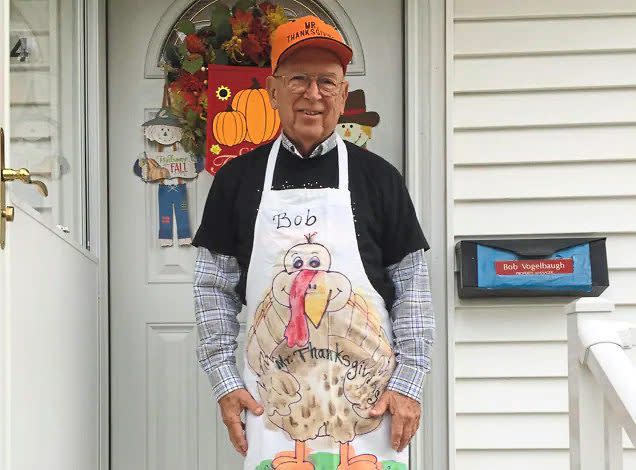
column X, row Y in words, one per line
column 47, row 112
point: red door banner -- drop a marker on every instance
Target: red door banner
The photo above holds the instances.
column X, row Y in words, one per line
column 240, row 116
column 535, row 266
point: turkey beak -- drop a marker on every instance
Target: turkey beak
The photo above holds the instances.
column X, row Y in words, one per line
column 316, row 301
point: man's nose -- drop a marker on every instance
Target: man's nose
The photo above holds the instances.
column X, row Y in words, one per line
column 312, row 91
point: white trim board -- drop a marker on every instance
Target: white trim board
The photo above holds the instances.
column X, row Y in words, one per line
column 5, row 327
column 426, row 171
column 97, row 151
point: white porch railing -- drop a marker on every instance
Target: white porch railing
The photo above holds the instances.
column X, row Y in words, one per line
column 602, row 385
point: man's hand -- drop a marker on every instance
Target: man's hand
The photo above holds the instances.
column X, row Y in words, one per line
column 232, row 405
column 405, row 416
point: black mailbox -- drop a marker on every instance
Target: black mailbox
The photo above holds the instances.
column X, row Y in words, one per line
column 532, row 267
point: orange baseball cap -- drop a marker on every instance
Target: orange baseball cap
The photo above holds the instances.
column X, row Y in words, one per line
column 308, row 31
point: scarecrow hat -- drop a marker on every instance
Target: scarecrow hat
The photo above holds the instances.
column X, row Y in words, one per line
column 163, row 118
column 356, row 111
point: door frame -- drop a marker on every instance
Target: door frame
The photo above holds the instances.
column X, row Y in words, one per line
column 427, row 172
column 428, row 175
column 4, row 326
column 97, row 150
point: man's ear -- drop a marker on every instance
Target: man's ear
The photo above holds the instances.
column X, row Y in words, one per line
column 270, row 84
column 345, row 94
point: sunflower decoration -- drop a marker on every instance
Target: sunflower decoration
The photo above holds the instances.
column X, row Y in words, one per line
column 237, row 35
column 223, row 93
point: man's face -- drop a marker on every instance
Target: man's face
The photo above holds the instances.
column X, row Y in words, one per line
column 308, row 118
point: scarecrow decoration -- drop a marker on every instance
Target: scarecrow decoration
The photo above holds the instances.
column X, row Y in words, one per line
column 356, row 124
column 168, row 166
column 164, row 128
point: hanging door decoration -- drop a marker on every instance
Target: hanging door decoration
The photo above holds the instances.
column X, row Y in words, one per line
column 216, row 77
column 166, row 164
column 240, row 116
column 356, row 123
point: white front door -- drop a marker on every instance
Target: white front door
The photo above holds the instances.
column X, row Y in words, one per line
column 163, row 415
column 49, row 365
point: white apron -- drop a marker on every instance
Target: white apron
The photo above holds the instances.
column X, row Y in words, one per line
column 319, row 343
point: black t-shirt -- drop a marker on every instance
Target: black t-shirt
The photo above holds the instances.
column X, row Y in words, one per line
column 386, row 225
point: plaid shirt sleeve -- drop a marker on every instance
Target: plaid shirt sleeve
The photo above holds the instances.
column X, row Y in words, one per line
column 413, row 323
column 216, row 308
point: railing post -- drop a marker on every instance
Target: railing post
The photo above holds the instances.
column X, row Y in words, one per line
column 613, row 439
column 586, row 402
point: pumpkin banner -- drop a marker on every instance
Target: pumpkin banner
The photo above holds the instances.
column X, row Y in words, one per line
column 240, row 116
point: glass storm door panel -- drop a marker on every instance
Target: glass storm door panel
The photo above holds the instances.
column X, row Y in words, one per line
column 47, row 117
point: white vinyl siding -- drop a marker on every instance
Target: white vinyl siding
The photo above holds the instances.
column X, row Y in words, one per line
column 544, row 144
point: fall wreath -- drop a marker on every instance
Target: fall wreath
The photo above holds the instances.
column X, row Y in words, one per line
column 235, row 36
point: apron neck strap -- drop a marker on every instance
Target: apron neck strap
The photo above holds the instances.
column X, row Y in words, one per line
column 343, row 164
column 271, row 163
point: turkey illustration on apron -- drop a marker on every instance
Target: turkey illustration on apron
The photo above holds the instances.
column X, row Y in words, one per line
column 319, row 344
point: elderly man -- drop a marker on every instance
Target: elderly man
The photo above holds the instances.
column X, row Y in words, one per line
column 319, row 239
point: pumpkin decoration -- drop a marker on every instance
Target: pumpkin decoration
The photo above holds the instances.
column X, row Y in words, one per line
column 262, row 120
column 229, row 127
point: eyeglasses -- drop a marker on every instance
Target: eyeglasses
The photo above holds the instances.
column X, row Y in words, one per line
column 298, row 83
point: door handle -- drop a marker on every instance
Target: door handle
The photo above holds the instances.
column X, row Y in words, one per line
column 7, row 175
